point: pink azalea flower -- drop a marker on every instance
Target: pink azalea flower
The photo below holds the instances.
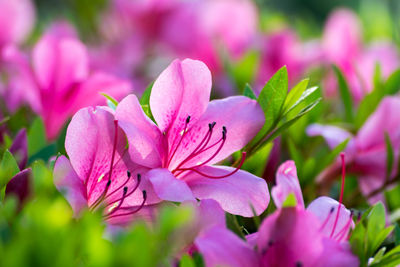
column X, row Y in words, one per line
column 191, row 135
column 56, row 81
column 284, row 48
column 99, row 172
column 367, row 150
column 17, row 18
column 316, row 236
column 218, row 245
column 201, row 29
column 342, row 45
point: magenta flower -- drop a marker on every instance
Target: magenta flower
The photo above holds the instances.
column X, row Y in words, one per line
column 316, row 236
column 57, row 82
column 367, row 150
column 218, row 245
column 17, row 18
column 284, row 48
column 342, row 45
column 99, row 172
column 191, row 136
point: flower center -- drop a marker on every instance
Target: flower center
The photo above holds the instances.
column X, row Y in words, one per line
column 110, row 200
column 202, row 148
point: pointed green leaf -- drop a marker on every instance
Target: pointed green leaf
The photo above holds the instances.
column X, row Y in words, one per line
column 290, row 201
column 145, row 99
column 345, row 94
column 392, row 85
column 36, row 137
column 248, row 91
column 111, row 102
column 295, row 94
column 389, row 156
column 271, row 100
column 8, row 168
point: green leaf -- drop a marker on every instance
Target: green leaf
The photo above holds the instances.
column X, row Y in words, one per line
column 376, row 225
column 290, row 201
column 389, row 156
column 289, row 123
column 345, row 94
column 36, row 137
column 248, row 91
column 186, row 261
column 111, row 102
column 392, row 85
column 145, row 99
column 378, row 239
column 397, row 234
column 271, row 99
column 8, row 168
column 304, row 96
column 295, row 93
column 379, row 255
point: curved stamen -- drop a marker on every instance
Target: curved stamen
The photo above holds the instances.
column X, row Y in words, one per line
column 339, row 236
column 114, row 209
column 133, row 211
column 341, row 192
column 130, row 192
column 223, row 139
column 128, row 174
column 101, row 197
column 327, row 219
column 180, row 140
column 204, row 148
column 221, row 176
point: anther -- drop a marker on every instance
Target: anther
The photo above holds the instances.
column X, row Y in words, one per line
column 128, row 173
column 187, row 119
column 125, row 190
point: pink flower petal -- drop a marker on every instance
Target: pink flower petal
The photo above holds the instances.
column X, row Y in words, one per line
column 292, row 232
column 221, row 247
column 287, row 183
column 181, row 90
column 167, row 187
column 326, row 210
column 337, row 254
column 144, row 137
column 59, row 62
column 70, row 185
column 235, row 193
column 89, row 143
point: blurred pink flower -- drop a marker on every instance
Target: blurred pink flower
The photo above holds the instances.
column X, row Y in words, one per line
column 367, row 150
column 191, row 135
column 218, row 245
column 342, row 46
column 17, row 18
column 198, row 29
column 99, row 172
column 203, row 29
column 56, row 80
column 316, row 236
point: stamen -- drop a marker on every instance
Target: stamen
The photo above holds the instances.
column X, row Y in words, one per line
column 200, row 147
column 132, row 211
column 130, row 193
column 128, row 174
column 339, row 236
column 113, row 210
column 180, row 140
column 208, row 160
column 222, row 176
column 101, row 197
column 342, row 155
column 327, row 218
